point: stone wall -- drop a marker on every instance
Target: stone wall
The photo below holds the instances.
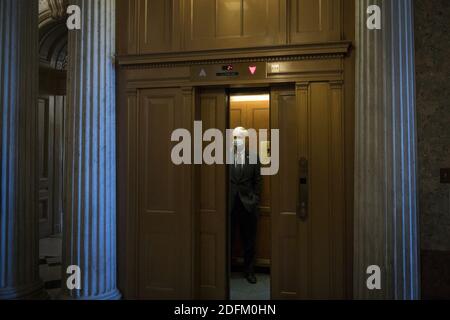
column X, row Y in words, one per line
column 432, row 41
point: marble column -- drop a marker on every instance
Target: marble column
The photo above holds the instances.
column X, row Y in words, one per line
column 19, row 221
column 89, row 232
column 386, row 222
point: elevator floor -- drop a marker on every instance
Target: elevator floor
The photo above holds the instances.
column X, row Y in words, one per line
column 240, row 289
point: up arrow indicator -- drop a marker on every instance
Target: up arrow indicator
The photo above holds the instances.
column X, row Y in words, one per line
column 202, row 73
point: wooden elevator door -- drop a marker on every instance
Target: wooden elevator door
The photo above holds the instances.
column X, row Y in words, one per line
column 308, row 251
column 164, row 198
column 211, row 109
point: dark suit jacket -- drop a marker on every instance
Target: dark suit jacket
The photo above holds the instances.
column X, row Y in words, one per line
column 246, row 183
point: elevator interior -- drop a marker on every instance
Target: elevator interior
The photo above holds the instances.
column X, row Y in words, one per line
column 250, row 109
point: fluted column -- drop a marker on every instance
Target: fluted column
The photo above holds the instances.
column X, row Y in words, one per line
column 19, row 236
column 385, row 179
column 90, row 155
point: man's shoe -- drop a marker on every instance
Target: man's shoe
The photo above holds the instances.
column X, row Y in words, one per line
column 251, row 278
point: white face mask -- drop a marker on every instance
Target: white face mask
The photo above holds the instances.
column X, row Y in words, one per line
column 239, row 144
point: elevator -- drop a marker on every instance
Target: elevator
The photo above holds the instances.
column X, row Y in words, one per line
column 174, row 240
column 172, row 227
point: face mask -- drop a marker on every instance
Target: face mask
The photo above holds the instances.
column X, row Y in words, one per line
column 239, row 144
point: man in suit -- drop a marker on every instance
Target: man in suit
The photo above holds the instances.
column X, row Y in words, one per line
column 245, row 193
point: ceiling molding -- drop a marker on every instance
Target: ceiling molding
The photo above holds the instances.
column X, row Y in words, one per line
column 266, row 54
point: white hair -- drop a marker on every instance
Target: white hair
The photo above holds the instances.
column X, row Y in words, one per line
column 240, row 132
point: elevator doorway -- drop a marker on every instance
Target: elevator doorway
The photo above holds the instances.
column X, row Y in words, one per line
column 249, row 232
column 303, row 203
column 180, row 235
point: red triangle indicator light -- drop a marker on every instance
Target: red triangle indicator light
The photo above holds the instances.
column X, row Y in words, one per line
column 252, row 69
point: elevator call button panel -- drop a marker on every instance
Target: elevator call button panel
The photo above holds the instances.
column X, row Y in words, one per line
column 227, row 72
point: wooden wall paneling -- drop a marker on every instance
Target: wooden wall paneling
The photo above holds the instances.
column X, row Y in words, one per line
column 320, row 226
column 178, row 27
column 238, row 114
column 164, row 199
column 283, row 35
column 127, row 27
column 157, row 19
column 132, row 169
column 337, row 190
column 307, row 70
column 213, row 205
column 315, row 21
column 258, row 117
column 149, row 26
column 213, row 24
column 127, row 189
column 156, row 26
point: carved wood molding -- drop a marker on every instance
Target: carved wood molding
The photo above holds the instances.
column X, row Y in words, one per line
column 323, row 51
